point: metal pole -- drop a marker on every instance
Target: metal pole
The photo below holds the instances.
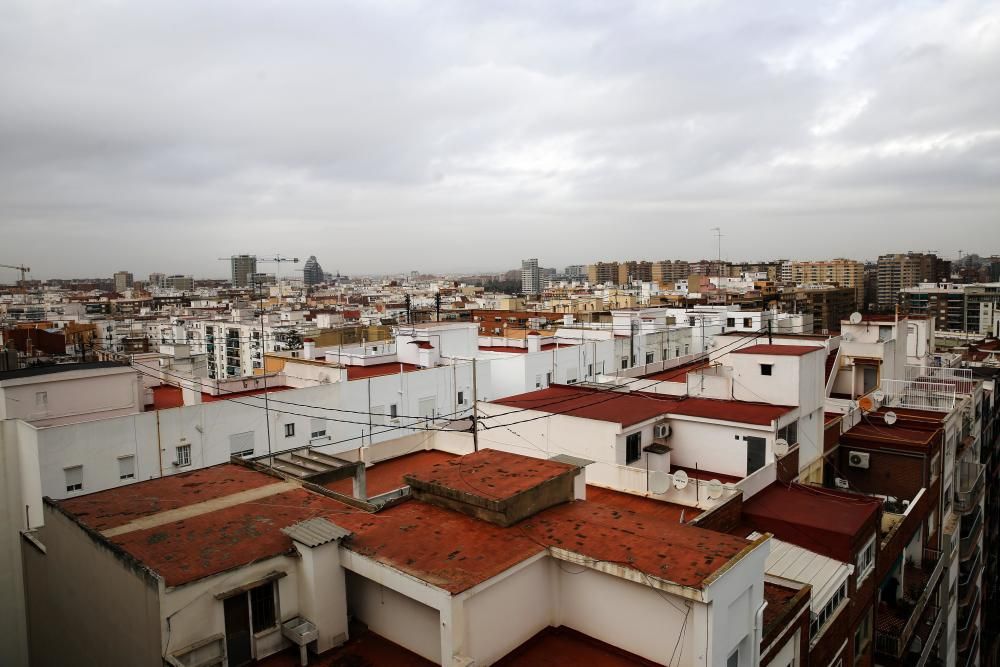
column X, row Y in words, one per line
column 263, row 368
column 475, row 409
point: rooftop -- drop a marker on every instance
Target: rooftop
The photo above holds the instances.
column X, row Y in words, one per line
column 386, row 476
column 826, row 521
column 521, row 350
column 564, row 647
column 630, row 408
column 36, row 371
column 168, row 396
column 378, row 370
column 780, row 350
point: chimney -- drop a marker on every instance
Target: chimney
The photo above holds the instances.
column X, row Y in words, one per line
column 534, row 341
column 308, row 348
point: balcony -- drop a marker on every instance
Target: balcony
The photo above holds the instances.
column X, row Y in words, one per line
column 895, row 625
column 968, row 573
column 968, row 625
column 969, row 486
column 970, row 532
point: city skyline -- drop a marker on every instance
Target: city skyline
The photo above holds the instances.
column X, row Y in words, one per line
column 583, row 131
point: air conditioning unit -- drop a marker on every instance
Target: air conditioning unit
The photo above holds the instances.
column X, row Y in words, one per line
column 841, row 483
column 858, row 459
column 661, row 431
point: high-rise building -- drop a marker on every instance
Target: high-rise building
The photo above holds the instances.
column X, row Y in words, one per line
column 896, row 272
column 631, row 271
column 842, row 272
column 123, row 280
column 157, row 280
column 603, row 272
column 667, row 272
column 312, row 272
column 531, row 277
column 575, row 271
column 242, row 268
column 180, row 283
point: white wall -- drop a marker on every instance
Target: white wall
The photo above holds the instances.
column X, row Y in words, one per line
column 71, row 396
column 396, row 617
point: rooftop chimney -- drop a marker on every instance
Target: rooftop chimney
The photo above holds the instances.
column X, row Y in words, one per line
column 534, row 341
column 308, row 348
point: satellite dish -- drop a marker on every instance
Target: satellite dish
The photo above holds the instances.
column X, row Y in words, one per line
column 715, row 489
column 847, row 337
column 890, row 418
column 878, row 395
column 856, row 318
column 780, row 447
column 660, row 482
column 680, row 480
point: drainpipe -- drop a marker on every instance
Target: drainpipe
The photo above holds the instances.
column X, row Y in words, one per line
column 758, row 632
column 159, row 447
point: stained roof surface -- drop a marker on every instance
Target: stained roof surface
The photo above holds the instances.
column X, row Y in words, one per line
column 32, row 371
column 378, row 370
column 445, row 548
column 629, row 408
column 492, row 474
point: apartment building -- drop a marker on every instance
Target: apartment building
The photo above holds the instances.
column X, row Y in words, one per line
column 972, row 308
column 842, row 272
column 603, row 273
column 828, row 304
column 242, row 269
column 247, row 562
column 634, row 272
column 667, row 273
column 896, row 272
column 531, row 277
column 123, row 280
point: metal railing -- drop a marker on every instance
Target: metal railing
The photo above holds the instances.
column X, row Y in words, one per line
column 918, row 395
column 971, row 572
column 930, row 373
column 931, row 642
column 969, row 539
column 969, row 487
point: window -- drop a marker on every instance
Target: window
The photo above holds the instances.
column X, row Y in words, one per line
column 590, row 370
column 317, row 428
column 862, row 636
column 393, row 412
column 734, row 658
column 747, row 322
column 126, row 467
column 538, row 382
column 884, row 333
column 183, row 456
column 42, row 400
column 289, row 430
column 649, row 357
column 790, row 432
column 624, row 363
column 820, row 619
column 262, row 607
column 730, row 321
column 666, row 353
column 74, row 478
column 632, row 442
column 765, row 369
column 935, row 467
column 548, row 378
column 241, row 444
column 461, row 398
column 865, row 561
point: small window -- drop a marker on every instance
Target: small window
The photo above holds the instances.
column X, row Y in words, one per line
column 461, row 398
column 590, row 370
column 289, row 430
column 730, row 321
column 183, row 455
column 393, row 411
column 747, row 322
column 734, row 658
column 649, row 357
column 884, row 333
column 241, row 444
column 126, row 467
column 262, row 607
column 317, row 428
column 666, row 353
column 538, row 382
column 74, row 478
column 548, row 378
column 41, row 399
column 865, row 561
column 765, row 369
column 624, row 363
column 632, row 443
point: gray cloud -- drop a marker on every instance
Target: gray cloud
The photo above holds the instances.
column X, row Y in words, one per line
column 451, row 136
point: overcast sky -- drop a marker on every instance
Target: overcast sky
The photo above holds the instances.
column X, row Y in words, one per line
column 159, row 136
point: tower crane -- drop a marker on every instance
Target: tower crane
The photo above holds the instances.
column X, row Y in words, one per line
column 22, row 269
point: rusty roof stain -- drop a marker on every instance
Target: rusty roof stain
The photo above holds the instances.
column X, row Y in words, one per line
column 492, row 474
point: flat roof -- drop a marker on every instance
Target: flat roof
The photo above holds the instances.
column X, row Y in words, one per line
column 168, row 396
column 780, row 350
column 565, row 647
column 826, row 521
column 387, row 475
column 630, row 408
column 35, row 371
column 378, row 370
column 491, row 474
column 909, row 436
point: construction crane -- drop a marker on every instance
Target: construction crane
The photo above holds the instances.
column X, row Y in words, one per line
column 22, row 269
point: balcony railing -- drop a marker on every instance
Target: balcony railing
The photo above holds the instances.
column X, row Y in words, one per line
column 967, row 574
column 969, row 488
column 969, row 540
column 918, row 394
column 935, row 619
column 893, row 643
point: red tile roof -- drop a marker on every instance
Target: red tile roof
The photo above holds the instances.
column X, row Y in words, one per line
column 378, row 370
column 116, row 507
column 898, row 435
column 825, row 521
column 168, row 396
column 564, row 647
column 630, row 408
column 779, row 350
column 678, row 373
column 491, row 474
column 641, row 505
column 386, row 476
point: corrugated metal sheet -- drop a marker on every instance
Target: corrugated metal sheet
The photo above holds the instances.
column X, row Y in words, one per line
column 314, row 532
column 824, row 574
